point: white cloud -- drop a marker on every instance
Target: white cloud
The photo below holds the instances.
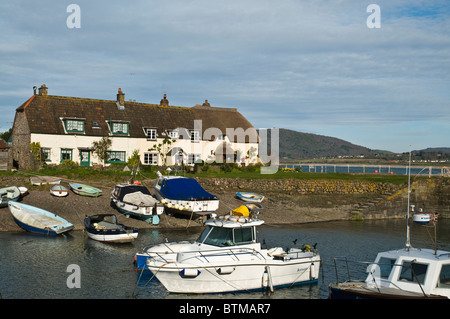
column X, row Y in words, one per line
column 296, row 64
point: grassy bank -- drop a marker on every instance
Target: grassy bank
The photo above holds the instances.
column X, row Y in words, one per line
column 117, row 174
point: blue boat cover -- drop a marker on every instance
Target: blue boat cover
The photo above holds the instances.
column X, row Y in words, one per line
column 184, row 189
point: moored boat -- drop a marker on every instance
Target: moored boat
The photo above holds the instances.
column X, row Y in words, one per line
column 59, row 190
column 183, row 194
column 38, row 220
column 11, row 193
column 250, row 197
column 85, row 190
column 105, row 228
column 227, row 257
column 137, row 201
column 407, row 273
column 424, row 218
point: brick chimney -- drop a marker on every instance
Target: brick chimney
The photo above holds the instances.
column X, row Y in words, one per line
column 43, row 90
column 120, row 97
column 206, row 103
column 164, row 101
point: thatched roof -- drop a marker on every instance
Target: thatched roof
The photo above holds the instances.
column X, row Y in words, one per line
column 45, row 114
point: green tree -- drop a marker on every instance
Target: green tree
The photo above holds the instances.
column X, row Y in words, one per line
column 101, row 148
column 162, row 149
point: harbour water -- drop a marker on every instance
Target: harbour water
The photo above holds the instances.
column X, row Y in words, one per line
column 36, row 266
column 370, row 169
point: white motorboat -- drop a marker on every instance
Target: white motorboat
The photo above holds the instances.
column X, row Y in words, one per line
column 227, row 258
column 184, row 194
column 407, row 273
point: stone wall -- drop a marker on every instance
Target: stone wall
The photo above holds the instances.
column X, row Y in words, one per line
column 294, row 186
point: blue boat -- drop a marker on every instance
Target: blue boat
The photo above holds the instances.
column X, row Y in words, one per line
column 37, row 220
column 183, row 194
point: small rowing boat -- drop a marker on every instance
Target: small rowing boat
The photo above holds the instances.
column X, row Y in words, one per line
column 85, row 190
column 104, row 227
column 250, row 197
column 37, row 220
column 59, row 190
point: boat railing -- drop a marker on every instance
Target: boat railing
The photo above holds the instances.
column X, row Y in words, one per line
column 235, row 252
column 347, row 262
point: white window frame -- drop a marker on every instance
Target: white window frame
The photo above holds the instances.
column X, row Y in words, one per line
column 192, row 158
column 150, row 158
column 150, row 133
column 195, row 136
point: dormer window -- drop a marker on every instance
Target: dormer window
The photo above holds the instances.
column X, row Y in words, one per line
column 173, row 134
column 195, row 136
column 119, row 127
column 73, row 125
column 150, row 133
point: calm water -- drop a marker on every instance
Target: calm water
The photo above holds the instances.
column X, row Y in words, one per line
column 35, row 266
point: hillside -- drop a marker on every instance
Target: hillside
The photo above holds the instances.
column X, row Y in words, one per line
column 296, row 145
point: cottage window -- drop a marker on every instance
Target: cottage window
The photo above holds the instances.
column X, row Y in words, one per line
column 193, row 158
column 45, row 154
column 173, row 134
column 195, row 136
column 74, row 125
column 115, row 157
column 150, row 158
column 150, row 133
column 66, row 154
column 119, row 128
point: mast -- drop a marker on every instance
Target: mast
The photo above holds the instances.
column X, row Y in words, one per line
column 408, row 241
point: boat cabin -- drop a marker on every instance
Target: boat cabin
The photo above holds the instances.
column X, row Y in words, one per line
column 123, row 189
column 419, row 270
column 226, row 233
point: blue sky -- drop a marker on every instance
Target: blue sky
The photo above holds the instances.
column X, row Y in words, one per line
column 312, row 66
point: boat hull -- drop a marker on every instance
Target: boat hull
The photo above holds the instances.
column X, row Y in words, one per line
column 182, row 270
column 199, row 207
column 59, row 191
column 9, row 194
column 142, row 213
column 250, row 197
column 358, row 290
column 105, row 228
column 221, row 278
column 113, row 238
column 37, row 220
column 85, row 190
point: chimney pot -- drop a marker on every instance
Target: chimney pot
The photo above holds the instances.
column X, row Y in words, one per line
column 43, row 90
column 164, row 101
column 121, row 97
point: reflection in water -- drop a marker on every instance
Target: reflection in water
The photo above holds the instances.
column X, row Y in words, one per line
column 35, row 266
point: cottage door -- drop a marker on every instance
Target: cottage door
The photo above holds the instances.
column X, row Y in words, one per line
column 85, row 158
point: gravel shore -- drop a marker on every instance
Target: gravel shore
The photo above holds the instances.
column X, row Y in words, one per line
column 279, row 208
